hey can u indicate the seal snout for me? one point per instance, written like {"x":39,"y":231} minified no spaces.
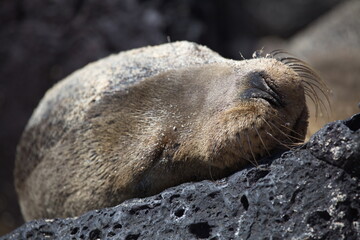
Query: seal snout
{"x":259,"y":88}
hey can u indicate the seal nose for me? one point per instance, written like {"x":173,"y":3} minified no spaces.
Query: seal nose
{"x":259,"y":88}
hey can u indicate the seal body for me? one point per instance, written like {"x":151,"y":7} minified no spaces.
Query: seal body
{"x":133,"y":124}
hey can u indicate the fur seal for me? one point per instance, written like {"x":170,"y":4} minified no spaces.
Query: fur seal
{"x":133,"y":124}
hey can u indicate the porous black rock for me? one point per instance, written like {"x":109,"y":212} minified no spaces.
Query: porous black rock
{"x":312,"y":192}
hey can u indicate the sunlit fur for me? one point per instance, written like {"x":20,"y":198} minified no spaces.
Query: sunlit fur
{"x":315,"y":88}
{"x":313,"y":84}
{"x":136,"y":123}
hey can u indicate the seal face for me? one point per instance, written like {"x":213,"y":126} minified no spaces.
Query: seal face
{"x":136,"y":123}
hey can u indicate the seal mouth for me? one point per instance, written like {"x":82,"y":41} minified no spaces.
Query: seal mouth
{"x":259,"y":88}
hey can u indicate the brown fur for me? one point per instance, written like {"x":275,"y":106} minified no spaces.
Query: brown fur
{"x":93,"y":147}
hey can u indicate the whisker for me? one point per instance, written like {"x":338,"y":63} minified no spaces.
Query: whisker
{"x":322,"y":91}
{"x":211,"y":176}
{"x":288,"y":145}
{"x":312,"y":82}
{"x":267,"y":123}
{"x":317,"y":99}
{"x":289,"y":137}
{"x":252,"y":153}
{"x":303,"y":67}
{"x":279,"y":142}
{"x":276,"y":52}
{"x":273,"y":126}
{"x":309,"y":93}
{"x":320,"y":85}
{"x":320,"y":104}
{"x":282,"y":123}
{"x":309,"y":80}
{"x":262,"y":142}
{"x":295,"y":62}
{"x":238,"y":139}
{"x":250,"y":161}
{"x":300,"y":138}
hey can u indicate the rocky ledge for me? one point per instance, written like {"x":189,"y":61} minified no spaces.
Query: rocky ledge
{"x":312,"y":192}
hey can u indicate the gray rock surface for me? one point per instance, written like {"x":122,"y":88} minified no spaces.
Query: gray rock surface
{"x":312,"y":192}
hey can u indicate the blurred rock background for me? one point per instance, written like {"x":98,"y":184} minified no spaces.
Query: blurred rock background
{"x":42,"y":42}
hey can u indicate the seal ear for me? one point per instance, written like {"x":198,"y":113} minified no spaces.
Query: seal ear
{"x":315,"y":87}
